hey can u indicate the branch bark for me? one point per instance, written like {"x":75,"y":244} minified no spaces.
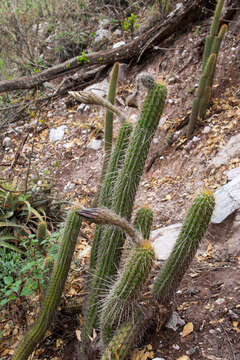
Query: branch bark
{"x":130,"y":51}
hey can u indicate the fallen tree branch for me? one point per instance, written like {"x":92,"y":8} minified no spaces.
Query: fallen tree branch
{"x":130,"y":51}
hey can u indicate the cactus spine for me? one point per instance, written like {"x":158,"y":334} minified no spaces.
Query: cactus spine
{"x":143,"y":221}
{"x":54,"y":290}
{"x":105,"y":196}
{"x":108,"y":125}
{"x":122,"y":299}
{"x":193,"y":229}
{"x":123,"y":199}
{"x":122,"y":341}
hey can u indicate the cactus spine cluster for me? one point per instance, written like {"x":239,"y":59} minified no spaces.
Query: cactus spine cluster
{"x":105,"y":195}
{"x":193,"y":229}
{"x":55,"y":288}
{"x":212,"y":46}
{"x":122,"y":203}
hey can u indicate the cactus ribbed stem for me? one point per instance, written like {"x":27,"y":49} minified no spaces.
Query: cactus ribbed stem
{"x":204,"y":81}
{"x":54,"y":290}
{"x":121,"y":301}
{"x":105,"y":197}
{"x":41,"y":234}
{"x":108,"y":127}
{"x":143,"y":221}
{"x":123,"y":199}
{"x":216,"y":19}
{"x":124,"y":340}
{"x":193,"y":229}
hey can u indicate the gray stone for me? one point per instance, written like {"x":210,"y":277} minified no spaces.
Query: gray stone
{"x":102,"y":34}
{"x":175,"y":321}
{"x":99,"y":89}
{"x":227,"y":200}
{"x":164,"y":239}
{"x":231,"y":174}
{"x":118,"y":44}
{"x":6,"y":142}
{"x":117,"y":32}
{"x":57,"y":134}
{"x":95,"y":144}
{"x":227,"y":152}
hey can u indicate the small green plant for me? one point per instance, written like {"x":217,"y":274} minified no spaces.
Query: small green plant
{"x":130,"y":24}
{"x":83,"y":58}
{"x":25,"y":275}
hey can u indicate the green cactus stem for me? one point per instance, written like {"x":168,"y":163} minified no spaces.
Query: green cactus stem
{"x":204,"y":81}
{"x":123,"y":340}
{"x":143,"y":221}
{"x":216,"y":19}
{"x":193,"y":229}
{"x":123,"y":199}
{"x":105,"y":197}
{"x":55,"y":288}
{"x":204,"y":102}
{"x":41,"y":235}
{"x":121,"y":301}
{"x":207,"y":50}
{"x":108,"y":127}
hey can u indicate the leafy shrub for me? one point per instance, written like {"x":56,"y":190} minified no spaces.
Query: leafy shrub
{"x":25,"y":275}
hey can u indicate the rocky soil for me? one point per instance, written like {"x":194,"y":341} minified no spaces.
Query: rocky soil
{"x":207,"y":304}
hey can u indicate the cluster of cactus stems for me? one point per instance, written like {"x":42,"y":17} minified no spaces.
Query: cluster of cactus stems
{"x":119,"y":311}
{"x":210,"y":55}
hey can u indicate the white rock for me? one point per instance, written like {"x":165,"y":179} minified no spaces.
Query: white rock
{"x":164,"y":239}
{"x":99,"y":89}
{"x":133,"y":117}
{"x":220,"y":301}
{"x":69,"y":186}
{"x":231,"y":174}
{"x":6,"y":142}
{"x":95,"y":144}
{"x":68,"y":145}
{"x":176,"y":347}
{"x":206,"y":130}
{"x":57,"y":134}
{"x":85,"y":252}
{"x":228,"y":151}
{"x":117,"y":32}
{"x":195,"y":139}
{"x":175,"y":321}
{"x":163,"y":120}
{"x":102,"y":34}
{"x":118,"y":44}
{"x":227,"y":200}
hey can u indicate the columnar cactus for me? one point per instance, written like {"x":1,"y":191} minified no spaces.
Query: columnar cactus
{"x":106,"y":189}
{"x":212,"y":46}
{"x":123,"y":200}
{"x":193,"y":229}
{"x":54,"y":290}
